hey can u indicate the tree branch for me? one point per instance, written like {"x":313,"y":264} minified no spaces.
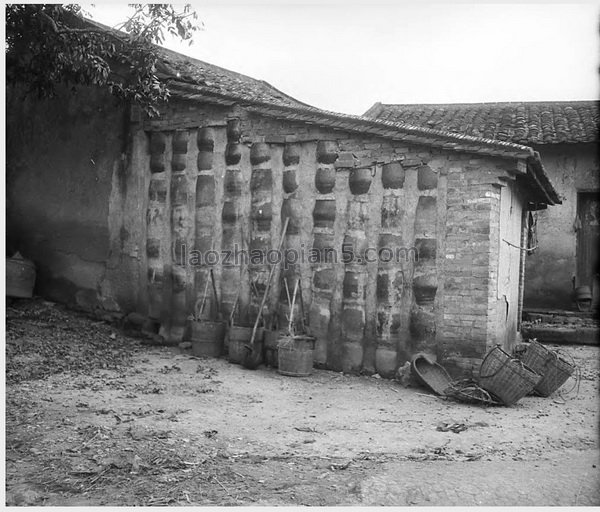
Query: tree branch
{"x":64,"y":30}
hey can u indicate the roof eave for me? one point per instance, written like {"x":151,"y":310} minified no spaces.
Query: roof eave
{"x":535,"y":168}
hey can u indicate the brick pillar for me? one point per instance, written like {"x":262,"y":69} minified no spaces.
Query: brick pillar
{"x":261,"y":214}
{"x":206,"y":220}
{"x":425,"y":280}
{"x":355,"y":277}
{"x":181,"y":231}
{"x":291,"y":208}
{"x":231,"y":215}
{"x":470,"y":269}
{"x":156,"y":249}
{"x":390,"y":275}
{"x":324,"y":214}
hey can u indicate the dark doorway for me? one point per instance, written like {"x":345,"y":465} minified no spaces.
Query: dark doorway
{"x":588,"y":238}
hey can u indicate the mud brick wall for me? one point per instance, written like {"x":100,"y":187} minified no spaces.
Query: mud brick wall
{"x":65,"y":177}
{"x":240,"y":175}
{"x":551,"y":269}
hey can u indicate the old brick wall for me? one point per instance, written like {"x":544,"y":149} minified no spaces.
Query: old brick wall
{"x":213,"y":175}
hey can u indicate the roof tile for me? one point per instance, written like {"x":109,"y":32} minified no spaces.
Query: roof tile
{"x":520,"y":122}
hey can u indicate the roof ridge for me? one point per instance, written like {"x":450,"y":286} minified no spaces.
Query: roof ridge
{"x":476,"y":103}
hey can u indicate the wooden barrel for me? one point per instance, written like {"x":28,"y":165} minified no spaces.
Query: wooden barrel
{"x":239,"y":337}
{"x":295,"y":355}
{"x":207,"y":338}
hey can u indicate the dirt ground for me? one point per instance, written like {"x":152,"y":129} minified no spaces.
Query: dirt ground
{"x":94,"y":417}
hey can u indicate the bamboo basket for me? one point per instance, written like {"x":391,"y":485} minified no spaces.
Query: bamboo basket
{"x":554,"y":370}
{"x":506,"y":378}
{"x":430,"y":373}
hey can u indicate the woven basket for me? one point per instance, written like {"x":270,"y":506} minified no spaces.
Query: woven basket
{"x":506,"y":378}
{"x":430,"y":373}
{"x":468,"y":391}
{"x":554,"y":370}
{"x":295,"y":355}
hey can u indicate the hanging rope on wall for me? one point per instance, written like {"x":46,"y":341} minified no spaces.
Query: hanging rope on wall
{"x":532,"y":239}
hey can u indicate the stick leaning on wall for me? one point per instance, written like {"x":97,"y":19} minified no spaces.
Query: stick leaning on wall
{"x":252,"y":353}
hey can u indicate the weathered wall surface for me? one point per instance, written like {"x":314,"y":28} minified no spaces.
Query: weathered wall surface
{"x":223,"y":175}
{"x":63,"y":156}
{"x":125,"y":222}
{"x":551,"y":269}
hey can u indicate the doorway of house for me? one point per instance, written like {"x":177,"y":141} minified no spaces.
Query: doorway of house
{"x":588,"y":238}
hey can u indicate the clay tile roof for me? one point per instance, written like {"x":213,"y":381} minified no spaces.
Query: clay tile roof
{"x":197,"y":81}
{"x":530,"y":123}
{"x":220,"y":80}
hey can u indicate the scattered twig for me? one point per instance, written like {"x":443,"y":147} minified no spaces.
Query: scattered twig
{"x":428,"y":396}
{"x":225,"y":488}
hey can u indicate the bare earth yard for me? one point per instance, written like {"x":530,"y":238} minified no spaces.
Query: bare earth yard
{"x":96,"y":418}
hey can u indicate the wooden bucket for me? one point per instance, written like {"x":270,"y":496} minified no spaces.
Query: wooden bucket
{"x":295,"y":355}
{"x":207,"y":338}
{"x":239,"y":337}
